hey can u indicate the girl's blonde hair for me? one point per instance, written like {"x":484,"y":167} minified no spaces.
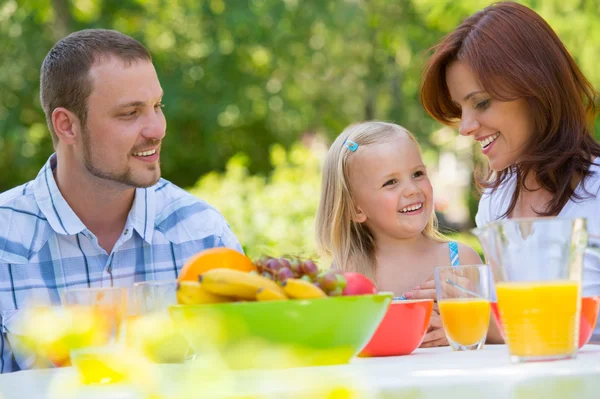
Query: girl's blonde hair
{"x":350,"y":244}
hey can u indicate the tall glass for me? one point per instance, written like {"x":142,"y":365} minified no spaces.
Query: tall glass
{"x":106,"y":304}
{"x":100,"y":361}
{"x":151,"y":329}
{"x":537,"y":267}
{"x":463,"y":294}
{"x":153,"y":296}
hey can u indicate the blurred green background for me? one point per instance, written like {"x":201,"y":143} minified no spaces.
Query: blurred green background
{"x":256,"y":90}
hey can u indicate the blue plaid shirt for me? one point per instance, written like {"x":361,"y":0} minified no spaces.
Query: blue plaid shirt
{"x":45,"y":248}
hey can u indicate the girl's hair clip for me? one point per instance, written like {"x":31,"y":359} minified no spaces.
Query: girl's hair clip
{"x":352,"y":146}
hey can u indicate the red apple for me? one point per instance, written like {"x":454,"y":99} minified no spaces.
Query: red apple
{"x":357,"y":284}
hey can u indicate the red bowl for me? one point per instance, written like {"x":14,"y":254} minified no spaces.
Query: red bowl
{"x":402,"y":329}
{"x":589,"y":315}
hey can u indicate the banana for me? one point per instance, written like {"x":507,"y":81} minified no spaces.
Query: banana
{"x":267,"y":294}
{"x":235,"y":283}
{"x":192,"y":293}
{"x":301,"y":289}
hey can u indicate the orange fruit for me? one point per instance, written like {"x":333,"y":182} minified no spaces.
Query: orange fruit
{"x":215,"y":258}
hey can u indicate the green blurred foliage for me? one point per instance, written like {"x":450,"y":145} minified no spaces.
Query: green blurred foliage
{"x":272,"y":214}
{"x":241,"y":76}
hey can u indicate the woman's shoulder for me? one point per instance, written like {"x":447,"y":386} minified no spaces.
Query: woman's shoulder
{"x":589,"y":189}
{"x":588,"y":203}
{"x":591,"y":183}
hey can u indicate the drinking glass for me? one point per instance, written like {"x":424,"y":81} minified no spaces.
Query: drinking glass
{"x":99,"y":361}
{"x":463,"y":294}
{"x":151,"y":328}
{"x":153,"y":296}
{"x":107,"y":304}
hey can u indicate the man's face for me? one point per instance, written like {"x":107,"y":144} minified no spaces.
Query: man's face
{"x":125,"y":123}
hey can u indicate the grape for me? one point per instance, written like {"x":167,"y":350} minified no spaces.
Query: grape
{"x":262,"y":261}
{"x":341,"y":281}
{"x":327,"y":280}
{"x":273,"y":265}
{"x":285,"y":263}
{"x":336,"y":292}
{"x":284,"y":273}
{"x":282,"y":268}
{"x":309,"y":268}
{"x":296,"y":266}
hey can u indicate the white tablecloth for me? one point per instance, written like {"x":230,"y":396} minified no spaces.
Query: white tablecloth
{"x":427,"y":373}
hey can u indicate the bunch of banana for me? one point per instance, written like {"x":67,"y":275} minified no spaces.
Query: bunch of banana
{"x":229,"y":285}
{"x":301,"y":289}
{"x":192,"y":293}
{"x":236,"y":284}
{"x":267,"y":294}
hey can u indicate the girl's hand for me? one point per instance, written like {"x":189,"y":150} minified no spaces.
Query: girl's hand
{"x":451,"y":289}
{"x":436,"y":336}
{"x":423,"y":291}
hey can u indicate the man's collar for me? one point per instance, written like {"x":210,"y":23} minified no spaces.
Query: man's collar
{"x":60,"y":216}
{"x":143,"y":212}
{"x":64,"y":221}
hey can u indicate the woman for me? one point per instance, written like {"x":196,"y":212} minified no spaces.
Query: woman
{"x":504,"y":78}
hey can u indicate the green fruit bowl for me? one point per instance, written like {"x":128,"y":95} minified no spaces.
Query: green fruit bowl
{"x":281,"y":334}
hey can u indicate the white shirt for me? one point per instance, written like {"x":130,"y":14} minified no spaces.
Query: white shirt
{"x":493,"y":205}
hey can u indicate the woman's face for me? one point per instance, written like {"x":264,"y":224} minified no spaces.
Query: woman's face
{"x":502,"y":128}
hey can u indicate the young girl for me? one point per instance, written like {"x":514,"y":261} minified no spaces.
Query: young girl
{"x":376,"y":213}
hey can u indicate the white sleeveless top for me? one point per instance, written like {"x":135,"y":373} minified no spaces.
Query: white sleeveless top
{"x":493,"y":205}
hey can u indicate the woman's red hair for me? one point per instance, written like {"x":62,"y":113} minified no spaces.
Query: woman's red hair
{"x":514,"y":54}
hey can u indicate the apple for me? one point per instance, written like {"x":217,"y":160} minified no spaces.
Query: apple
{"x":358,"y":284}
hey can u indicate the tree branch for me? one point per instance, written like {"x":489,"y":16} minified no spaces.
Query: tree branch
{"x":62,"y":19}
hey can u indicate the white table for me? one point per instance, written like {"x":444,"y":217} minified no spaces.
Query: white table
{"x":427,"y":373}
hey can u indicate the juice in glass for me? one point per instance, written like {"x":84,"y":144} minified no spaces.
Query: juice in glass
{"x":100,"y":365}
{"x":540,"y":319}
{"x":465,"y":320}
{"x":463,"y":294}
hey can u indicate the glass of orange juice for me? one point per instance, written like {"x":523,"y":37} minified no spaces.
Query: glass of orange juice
{"x":538,"y":268}
{"x":463,"y":294}
{"x":107,"y":304}
{"x":97,"y":362}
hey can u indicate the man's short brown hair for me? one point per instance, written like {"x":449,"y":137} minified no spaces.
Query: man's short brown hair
{"x":64,"y":79}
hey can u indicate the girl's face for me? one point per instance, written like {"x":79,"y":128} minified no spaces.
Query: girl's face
{"x":390,"y":188}
{"x":502,"y":128}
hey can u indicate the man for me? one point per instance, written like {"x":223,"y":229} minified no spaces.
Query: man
{"x":98,"y":213}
